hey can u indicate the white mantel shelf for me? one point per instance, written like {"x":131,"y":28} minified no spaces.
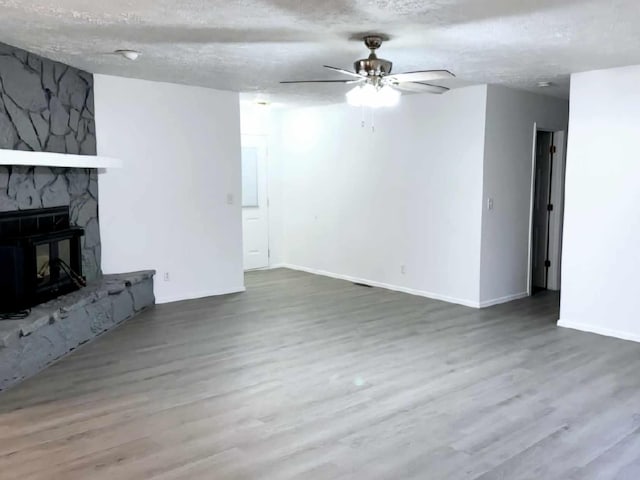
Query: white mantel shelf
{"x":47,"y":159}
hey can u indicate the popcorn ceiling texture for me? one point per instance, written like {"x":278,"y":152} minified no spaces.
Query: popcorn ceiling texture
{"x":250,"y":45}
{"x":48,"y":106}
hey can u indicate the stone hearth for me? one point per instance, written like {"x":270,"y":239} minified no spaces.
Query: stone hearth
{"x":58,"y":327}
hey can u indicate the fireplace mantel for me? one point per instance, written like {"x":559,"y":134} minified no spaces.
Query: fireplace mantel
{"x":47,"y":159}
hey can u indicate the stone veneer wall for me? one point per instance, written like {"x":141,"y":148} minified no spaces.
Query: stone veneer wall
{"x":48,"y":106}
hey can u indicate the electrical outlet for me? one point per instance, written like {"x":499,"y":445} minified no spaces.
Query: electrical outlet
{"x":167,"y":278}
{"x":229,"y":198}
{"x":403,"y":269}
{"x":489,"y":203}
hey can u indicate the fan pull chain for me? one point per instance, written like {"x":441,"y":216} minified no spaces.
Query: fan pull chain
{"x":373,"y":120}
{"x":362,"y":122}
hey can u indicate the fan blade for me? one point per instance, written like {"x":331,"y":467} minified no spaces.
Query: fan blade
{"x":418,"y":87}
{"x":342,"y":70}
{"x":424,"y":76}
{"x":321,"y":81}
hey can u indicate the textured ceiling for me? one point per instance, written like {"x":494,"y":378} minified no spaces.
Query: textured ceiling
{"x":250,"y":45}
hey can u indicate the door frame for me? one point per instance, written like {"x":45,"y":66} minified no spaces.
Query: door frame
{"x":261,"y":141}
{"x":557,"y":199}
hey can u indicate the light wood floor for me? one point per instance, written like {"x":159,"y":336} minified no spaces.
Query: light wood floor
{"x":309,"y":377}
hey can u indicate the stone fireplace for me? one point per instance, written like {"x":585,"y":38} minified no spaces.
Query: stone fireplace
{"x":25,"y":188}
{"x":46,"y":106}
{"x":47,"y":111}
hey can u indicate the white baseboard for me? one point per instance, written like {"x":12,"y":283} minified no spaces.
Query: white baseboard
{"x":195,"y":295}
{"x":373,"y":283}
{"x":508,"y":298}
{"x":277,"y":265}
{"x":269,"y":267}
{"x":584,"y":327}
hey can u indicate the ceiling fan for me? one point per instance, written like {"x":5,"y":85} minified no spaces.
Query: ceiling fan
{"x":376,"y":86}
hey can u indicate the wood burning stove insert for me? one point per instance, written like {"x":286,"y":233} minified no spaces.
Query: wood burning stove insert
{"x":40,"y":257}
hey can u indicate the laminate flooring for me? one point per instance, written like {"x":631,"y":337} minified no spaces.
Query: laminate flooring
{"x":309,"y":377}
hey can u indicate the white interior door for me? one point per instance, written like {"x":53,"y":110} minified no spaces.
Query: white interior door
{"x":255,"y":215}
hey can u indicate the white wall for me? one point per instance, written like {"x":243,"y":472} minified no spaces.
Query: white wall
{"x":511,"y":119}
{"x":359,"y":204}
{"x":601,"y":251}
{"x":167,"y":208}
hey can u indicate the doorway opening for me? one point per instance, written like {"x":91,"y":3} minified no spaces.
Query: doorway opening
{"x":547,"y":209}
{"x":255,"y":202}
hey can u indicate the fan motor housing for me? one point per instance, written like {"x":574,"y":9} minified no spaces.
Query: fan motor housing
{"x":373,"y":66}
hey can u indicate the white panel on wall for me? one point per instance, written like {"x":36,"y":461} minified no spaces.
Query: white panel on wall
{"x":175,"y":204}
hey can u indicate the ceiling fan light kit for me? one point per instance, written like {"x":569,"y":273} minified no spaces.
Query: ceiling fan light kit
{"x":369,"y":96}
{"x":376,"y":86}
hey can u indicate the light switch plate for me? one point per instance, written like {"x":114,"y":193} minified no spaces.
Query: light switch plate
{"x":489,"y":203}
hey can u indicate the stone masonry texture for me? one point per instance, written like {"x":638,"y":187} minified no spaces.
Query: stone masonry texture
{"x":46,"y":106}
{"x":55,"y":328}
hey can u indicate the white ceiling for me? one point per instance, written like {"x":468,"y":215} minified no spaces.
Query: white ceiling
{"x":250,"y":45}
